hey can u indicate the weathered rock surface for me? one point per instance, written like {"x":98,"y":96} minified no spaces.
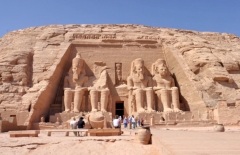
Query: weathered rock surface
{"x":205,"y":65}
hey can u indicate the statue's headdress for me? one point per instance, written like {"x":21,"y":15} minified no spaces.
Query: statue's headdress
{"x":159,"y":62}
{"x":99,"y":67}
{"x":134,"y":62}
{"x":79,"y":62}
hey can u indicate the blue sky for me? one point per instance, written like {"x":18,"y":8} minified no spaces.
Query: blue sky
{"x":199,"y":15}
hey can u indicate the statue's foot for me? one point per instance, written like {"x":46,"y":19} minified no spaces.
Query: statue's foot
{"x":76,"y":111}
{"x":151,"y":110}
{"x":141,"y":110}
{"x":103,"y":110}
{"x":67,"y":111}
{"x":167,"y":110}
{"x":177,"y":110}
{"x":94,"y":110}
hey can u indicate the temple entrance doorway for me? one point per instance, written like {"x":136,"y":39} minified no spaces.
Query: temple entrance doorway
{"x":119,"y":108}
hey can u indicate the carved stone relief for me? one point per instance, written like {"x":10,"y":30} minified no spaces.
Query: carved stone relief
{"x":118,"y":73}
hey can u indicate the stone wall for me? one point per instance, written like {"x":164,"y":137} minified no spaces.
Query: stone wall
{"x":227,"y":114}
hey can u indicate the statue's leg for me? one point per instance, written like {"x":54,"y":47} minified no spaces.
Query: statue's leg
{"x":94,"y":99}
{"x":149,"y":94}
{"x":78,"y":97}
{"x":104,"y":99}
{"x":159,"y":105}
{"x":165,"y":98}
{"x":175,"y":99}
{"x":67,"y":99}
{"x":139,"y":100}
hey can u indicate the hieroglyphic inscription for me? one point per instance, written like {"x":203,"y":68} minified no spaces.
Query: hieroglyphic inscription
{"x":93,"y":36}
{"x":86,"y":36}
{"x":149,"y":37}
{"x":109,"y":36}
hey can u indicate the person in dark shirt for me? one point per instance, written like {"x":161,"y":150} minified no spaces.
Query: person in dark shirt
{"x":142,"y":121}
{"x":81,"y":125}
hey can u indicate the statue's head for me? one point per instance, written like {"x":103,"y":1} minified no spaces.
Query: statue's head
{"x":162,"y":70}
{"x":78,"y":66}
{"x":99,"y":67}
{"x":137,"y":68}
{"x":160,"y":67}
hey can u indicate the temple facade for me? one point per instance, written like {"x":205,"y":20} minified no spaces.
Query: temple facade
{"x":121,"y":88}
{"x":59,"y":71}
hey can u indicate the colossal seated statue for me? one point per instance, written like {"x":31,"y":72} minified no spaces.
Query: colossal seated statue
{"x":140,"y":85}
{"x":164,"y":87}
{"x":73,"y":85}
{"x":100,"y":87}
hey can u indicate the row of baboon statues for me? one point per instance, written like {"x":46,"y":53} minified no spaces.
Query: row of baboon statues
{"x":141,"y":87}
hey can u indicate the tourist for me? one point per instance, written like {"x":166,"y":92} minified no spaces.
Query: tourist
{"x":142,"y":121}
{"x":125,"y":122}
{"x":81,"y":124}
{"x":130,"y":121}
{"x":133,"y":122}
{"x":139,"y":122}
{"x":116,"y":123}
{"x":73,"y":125}
{"x":120,"y":118}
{"x":136,"y":120}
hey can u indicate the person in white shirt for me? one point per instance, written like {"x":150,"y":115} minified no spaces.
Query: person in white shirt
{"x":133,"y":122}
{"x":73,"y":125}
{"x":120,"y":118}
{"x":116,"y":122}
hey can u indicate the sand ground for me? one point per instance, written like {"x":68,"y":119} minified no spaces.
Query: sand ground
{"x":169,"y":140}
{"x":197,"y":141}
{"x":61,"y":145}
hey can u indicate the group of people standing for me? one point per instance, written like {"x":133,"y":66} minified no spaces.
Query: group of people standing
{"x":77,"y":125}
{"x":134,"y":122}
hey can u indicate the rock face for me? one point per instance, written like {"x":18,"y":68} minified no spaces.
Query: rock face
{"x":34,"y":62}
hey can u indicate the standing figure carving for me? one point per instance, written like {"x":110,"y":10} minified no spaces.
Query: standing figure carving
{"x":73,"y":85}
{"x":118,"y":67}
{"x":100,"y":87}
{"x":140,"y":85}
{"x":165,"y":87}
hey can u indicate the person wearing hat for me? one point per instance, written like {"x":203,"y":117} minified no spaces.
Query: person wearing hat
{"x":81,"y":125}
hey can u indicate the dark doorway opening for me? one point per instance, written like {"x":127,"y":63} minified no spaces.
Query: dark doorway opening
{"x":119,"y":109}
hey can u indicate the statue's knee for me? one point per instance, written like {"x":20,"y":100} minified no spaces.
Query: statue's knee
{"x":67,"y":91}
{"x":105,"y":92}
{"x":163,"y":90}
{"x":81,"y":91}
{"x":138,"y":90}
{"x":93,"y":91}
{"x":149,"y":90}
{"x":175,"y":88}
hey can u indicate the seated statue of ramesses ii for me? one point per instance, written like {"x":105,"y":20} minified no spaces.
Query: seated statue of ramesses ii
{"x":73,"y":85}
{"x":139,"y":84}
{"x":164,"y":87}
{"x":100,"y":87}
